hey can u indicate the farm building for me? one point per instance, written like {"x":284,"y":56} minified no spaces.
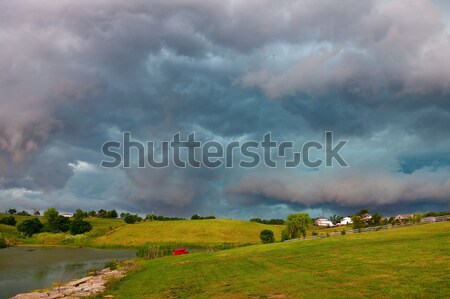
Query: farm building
{"x":323,"y":222}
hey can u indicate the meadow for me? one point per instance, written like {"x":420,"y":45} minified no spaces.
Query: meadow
{"x":408,"y":262}
{"x":211,"y":231}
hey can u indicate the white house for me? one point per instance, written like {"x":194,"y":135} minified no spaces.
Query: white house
{"x":323,"y":222}
{"x":345,"y":221}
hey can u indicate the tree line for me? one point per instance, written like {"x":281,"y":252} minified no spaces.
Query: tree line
{"x":54,"y":223}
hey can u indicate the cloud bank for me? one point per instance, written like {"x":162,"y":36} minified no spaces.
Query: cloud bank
{"x":75,"y":75}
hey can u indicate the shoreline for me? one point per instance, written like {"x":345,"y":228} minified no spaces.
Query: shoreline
{"x":78,"y":288}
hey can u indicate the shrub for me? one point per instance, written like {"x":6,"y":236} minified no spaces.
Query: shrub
{"x":8,"y":220}
{"x":79,"y":226}
{"x":112,"y":265}
{"x":30,"y":227}
{"x":343,"y":232}
{"x":131,"y":218}
{"x":266,"y":236}
{"x":314,"y":233}
{"x":285,"y":235}
{"x":23,"y":213}
{"x":3,"y":243}
{"x":57,"y":224}
{"x":197,"y":217}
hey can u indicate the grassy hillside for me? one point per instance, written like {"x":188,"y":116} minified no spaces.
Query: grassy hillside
{"x":409,"y":262}
{"x":115,"y":233}
{"x":188,"y":231}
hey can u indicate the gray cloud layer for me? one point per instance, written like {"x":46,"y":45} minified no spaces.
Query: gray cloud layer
{"x":76,"y":74}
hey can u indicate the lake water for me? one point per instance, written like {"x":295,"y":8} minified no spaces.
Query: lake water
{"x":23,"y":269}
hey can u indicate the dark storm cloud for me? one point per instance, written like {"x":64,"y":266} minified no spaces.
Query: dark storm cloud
{"x":76,"y":74}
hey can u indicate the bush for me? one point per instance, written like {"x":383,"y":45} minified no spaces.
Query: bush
{"x":30,"y":227}
{"x":57,"y":224}
{"x":23,"y":213}
{"x":2,"y":242}
{"x":314,"y":233}
{"x":8,"y":220}
{"x":343,"y":232}
{"x":129,"y":218}
{"x":285,"y":235}
{"x":266,"y":236}
{"x":112,"y":265}
{"x":197,"y":217}
{"x":79,"y":226}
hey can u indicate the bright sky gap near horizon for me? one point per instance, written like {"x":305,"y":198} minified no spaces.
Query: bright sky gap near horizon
{"x":77,"y":74}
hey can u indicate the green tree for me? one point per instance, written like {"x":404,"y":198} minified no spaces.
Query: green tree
{"x":79,"y":214}
{"x":363,"y":212}
{"x":376,"y":219}
{"x":297,"y":224}
{"x":129,"y":218}
{"x":30,"y":227}
{"x":12,"y":211}
{"x":417,"y":217}
{"x":266,"y":236}
{"x":358,"y":222}
{"x":79,"y":226}
{"x":51,"y":215}
{"x":92,"y":213}
{"x":101,"y":213}
{"x":111,"y":214}
{"x":62,"y":223}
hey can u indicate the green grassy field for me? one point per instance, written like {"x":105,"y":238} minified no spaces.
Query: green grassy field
{"x":114,"y":233}
{"x":409,"y":262}
{"x":189,"y":231}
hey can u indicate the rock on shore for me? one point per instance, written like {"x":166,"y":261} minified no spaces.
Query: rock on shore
{"x":79,"y":288}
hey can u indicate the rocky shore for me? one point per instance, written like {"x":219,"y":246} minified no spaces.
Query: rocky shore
{"x":83,"y":287}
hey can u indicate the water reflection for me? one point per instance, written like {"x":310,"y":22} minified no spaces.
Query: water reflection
{"x":27,"y":268}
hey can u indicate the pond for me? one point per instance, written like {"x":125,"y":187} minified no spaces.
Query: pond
{"x":24,"y":268}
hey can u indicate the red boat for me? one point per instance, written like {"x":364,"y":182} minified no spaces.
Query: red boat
{"x":180,"y":251}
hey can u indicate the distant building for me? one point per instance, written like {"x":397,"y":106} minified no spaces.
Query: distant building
{"x":323,"y":222}
{"x":345,"y":221}
{"x":403,"y":217}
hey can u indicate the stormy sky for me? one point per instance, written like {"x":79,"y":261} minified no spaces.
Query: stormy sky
{"x":75,"y":74}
